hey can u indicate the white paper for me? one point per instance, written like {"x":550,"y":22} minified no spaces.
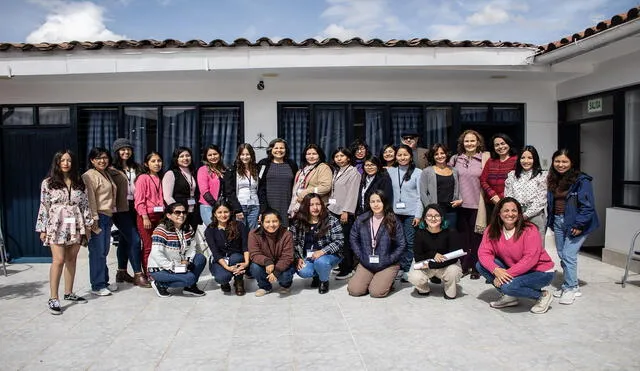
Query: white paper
{"x":449,"y":256}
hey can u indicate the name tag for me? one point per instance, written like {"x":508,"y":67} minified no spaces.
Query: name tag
{"x":69,"y":220}
{"x":130,"y":197}
{"x":332,"y":201}
{"x":309,"y":254}
{"x":180,"y":268}
{"x":400,"y":205}
{"x":374,"y":259}
{"x":158,"y":209}
{"x":191,"y":202}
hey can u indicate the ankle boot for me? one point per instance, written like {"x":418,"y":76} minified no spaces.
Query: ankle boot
{"x":238,"y":285}
{"x":324,"y":287}
{"x":141,"y":281}
{"x":123,"y":276}
{"x":315,"y":282}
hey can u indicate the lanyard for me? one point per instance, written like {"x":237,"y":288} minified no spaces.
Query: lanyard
{"x":69,"y":191}
{"x":190,"y":181}
{"x":157,"y":185}
{"x":374,"y":235}
{"x":401,"y":183}
{"x":183,"y":244}
{"x":302,"y":183}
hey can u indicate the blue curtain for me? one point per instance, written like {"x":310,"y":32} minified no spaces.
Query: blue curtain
{"x":404,"y":119}
{"x":179,"y":129}
{"x":436,"y":123}
{"x":473,"y":114}
{"x":102,"y":127}
{"x":295,"y":125}
{"x":54,"y":116}
{"x":374,"y":132}
{"x":506,"y":114}
{"x":331,"y":129}
{"x":220,"y":126}
{"x":135,"y":125}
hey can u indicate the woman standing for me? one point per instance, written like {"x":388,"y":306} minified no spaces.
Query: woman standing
{"x":314,"y":177}
{"x":276,"y":179}
{"x":378,"y":241}
{"x":513,"y":260}
{"x":503,"y":160}
{"x":179,"y":184}
{"x":229,"y":255}
{"x":388,"y":155}
{"x":149,"y":203}
{"x":64,"y":223}
{"x":360,"y":151}
{"x":571,"y":216}
{"x":469,"y":162}
{"x":241,"y":187}
{"x":375,"y":177}
{"x":433,"y":241}
{"x":343,"y":201}
{"x":439,"y":184}
{"x":210,"y":185}
{"x":124,"y":173}
{"x":528,"y":184}
{"x":271,"y":253}
{"x":318,"y":241}
{"x":405,"y":180}
{"x":101,"y":193}
{"x":174,"y":261}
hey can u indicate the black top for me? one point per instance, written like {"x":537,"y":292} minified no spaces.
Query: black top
{"x":220,"y":248}
{"x":445,"y":185}
{"x":310,"y":240}
{"x":381,"y":181}
{"x":427,"y":244}
{"x":263,"y":170}
{"x":182,"y":188}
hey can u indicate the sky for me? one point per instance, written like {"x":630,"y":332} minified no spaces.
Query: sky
{"x":530,"y":21}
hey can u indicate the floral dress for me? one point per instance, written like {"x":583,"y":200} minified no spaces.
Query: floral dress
{"x":64,"y":215}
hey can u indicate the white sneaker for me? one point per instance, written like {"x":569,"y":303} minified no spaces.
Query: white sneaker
{"x":558,"y":293}
{"x":113,"y":287}
{"x":542,"y":305}
{"x":504,"y":301}
{"x":568,"y":297}
{"x":262,"y":292}
{"x":102,"y":292}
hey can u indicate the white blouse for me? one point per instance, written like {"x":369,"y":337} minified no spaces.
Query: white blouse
{"x":531,"y":193}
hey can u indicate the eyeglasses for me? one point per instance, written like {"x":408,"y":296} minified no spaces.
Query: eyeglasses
{"x":102,"y":158}
{"x":433,"y":217}
{"x":179,"y":212}
{"x":370,"y":165}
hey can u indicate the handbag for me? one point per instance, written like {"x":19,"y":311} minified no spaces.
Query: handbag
{"x":481,"y":217}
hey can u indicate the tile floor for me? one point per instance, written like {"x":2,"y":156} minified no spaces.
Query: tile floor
{"x":136,"y":330}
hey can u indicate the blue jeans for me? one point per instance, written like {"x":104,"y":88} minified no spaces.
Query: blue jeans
{"x":129,"y":247}
{"x":321,"y":267}
{"x":98,"y":250}
{"x":568,"y":247}
{"x":528,"y":285}
{"x":222,"y":275}
{"x":169,"y":279}
{"x":285,"y":279}
{"x":205,"y":214}
{"x":251,"y":213}
{"x":409,"y":233}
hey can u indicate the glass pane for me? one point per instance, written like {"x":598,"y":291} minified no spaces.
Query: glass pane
{"x":438,"y":125}
{"x":331,"y":129}
{"x":507,"y":114}
{"x":97,"y":127}
{"x":405,"y":120}
{"x":631,"y":195}
{"x":374,"y":129}
{"x":589,"y":108}
{"x":17,"y":116}
{"x":220,"y":126}
{"x":295,"y":130}
{"x":632,"y":136}
{"x":54,"y":116}
{"x":474,"y":114}
{"x":179,"y":129}
{"x":141,"y":128}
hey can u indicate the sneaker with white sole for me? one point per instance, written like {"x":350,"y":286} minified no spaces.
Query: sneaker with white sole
{"x":558,"y":293}
{"x":543,"y":303}
{"x":344,"y":276}
{"x":160,"y":290}
{"x":504,"y":301}
{"x":102,"y":292}
{"x":568,"y":297}
{"x":75,"y":298}
{"x":262,"y":292}
{"x":54,"y":306}
{"x":113,"y":287}
{"x":193,"y":291}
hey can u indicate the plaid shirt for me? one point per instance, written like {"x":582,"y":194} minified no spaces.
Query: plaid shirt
{"x":331,"y":243}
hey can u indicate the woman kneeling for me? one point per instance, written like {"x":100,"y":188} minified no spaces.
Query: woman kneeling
{"x":378,"y":242}
{"x":511,"y":257}
{"x":173,"y":261}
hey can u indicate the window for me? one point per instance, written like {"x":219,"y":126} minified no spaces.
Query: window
{"x":631,"y":178}
{"x":220,"y":126}
{"x":294,"y":125}
{"x":97,"y":127}
{"x":17,"y":116}
{"x":54,"y":116}
{"x":179,"y":128}
{"x":141,"y":128}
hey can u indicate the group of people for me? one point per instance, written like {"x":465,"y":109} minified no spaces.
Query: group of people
{"x":404,"y":214}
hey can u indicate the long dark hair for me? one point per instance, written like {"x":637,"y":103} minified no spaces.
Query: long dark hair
{"x":168,"y":223}
{"x":507,"y":139}
{"x":536,"y":169}
{"x":321,"y":156}
{"x":303,"y":216}
{"x":412,"y":164}
{"x":218,"y":168}
{"x":56,"y":176}
{"x":176,"y":154}
{"x":381,"y":156}
{"x":241,"y":168}
{"x":562,"y":182}
{"x":432,"y":153}
{"x":145,"y":164}
{"x":345,"y":151}
{"x":131,"y":163}
{"x":389,"y":219}
{"x":478,"y":136}
{"x":269,"y":211}
{"x":273,"y":144}
{"x":496,"y":224}
{"x":96,"y":152}
{"x":232,"y":231}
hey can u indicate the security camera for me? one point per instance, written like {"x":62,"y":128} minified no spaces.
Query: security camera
{"x":260,"y":85}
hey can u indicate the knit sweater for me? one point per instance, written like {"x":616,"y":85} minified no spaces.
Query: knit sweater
{"x":101,"y":193}
{"x":271,"y":248}
{"x":406,"y":191}
{"x":148,"y":194}
{"x":494,"y":175}
{"x":166,"y":248}
{"x":122,"y":185}
{"x":209,"y":185}
{"x":521,"y":255}
{"x":531,"y":193}
{"x":469,"y":171}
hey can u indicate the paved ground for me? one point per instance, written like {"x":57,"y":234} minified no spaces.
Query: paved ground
{"x":134,"y":329}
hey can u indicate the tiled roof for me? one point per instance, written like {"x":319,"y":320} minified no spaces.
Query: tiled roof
{"x":604,"y":25}
{"x":264,"y":41}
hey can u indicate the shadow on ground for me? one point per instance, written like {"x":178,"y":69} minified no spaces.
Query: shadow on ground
{"x":23,"y":290}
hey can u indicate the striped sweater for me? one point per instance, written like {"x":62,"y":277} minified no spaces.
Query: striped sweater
{"x":166,"y":248}
{"x":494,"y":175}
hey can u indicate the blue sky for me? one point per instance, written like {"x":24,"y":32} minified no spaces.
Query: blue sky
{"x":533,"y":21}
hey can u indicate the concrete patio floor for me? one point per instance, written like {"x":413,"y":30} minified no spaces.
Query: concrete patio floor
{"x":136,"y":330}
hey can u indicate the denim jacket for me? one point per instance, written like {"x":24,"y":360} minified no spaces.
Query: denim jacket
{"x":579,"y":211}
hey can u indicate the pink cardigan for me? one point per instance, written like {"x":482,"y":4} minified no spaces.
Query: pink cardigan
{"x":521,"y":256}
{"x":208,"y":181}
{"x":148,"y":194}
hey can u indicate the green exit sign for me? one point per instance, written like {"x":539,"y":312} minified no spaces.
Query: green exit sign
{"x":594,"y":105}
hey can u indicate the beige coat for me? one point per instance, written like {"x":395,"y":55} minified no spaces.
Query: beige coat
{"x":317,"y":181}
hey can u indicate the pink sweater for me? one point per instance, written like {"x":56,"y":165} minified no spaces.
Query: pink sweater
{"x":208,"y":181}
{"x":521,"y":256}
{"x":148,"y":194}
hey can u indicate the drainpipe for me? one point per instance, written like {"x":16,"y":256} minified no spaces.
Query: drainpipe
{"x":590,"y":43}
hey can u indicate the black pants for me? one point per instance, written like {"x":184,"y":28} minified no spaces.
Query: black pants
{"x":470,"y":239}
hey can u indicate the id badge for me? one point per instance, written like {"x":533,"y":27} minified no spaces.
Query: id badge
{"x":158,"y":209}
{"x":180,"y":268}
{"x":69,"y":220}
{"x":400,"y":205}
{"x":374,"y":259}
{"x":130,"y":197}
{"x":332,"y":201}
{"x":226,"y":260}
{"x":191,"y":202}
{"x":309,"y":254}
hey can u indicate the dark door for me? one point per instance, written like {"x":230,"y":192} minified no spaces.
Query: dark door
{"x":26,"y":158}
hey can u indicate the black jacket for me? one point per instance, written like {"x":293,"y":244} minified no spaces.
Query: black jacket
{"x":382,"y":182}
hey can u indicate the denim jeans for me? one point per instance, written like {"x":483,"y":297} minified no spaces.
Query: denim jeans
{"x":568,"y":247}
{"x":205,"y":214}
{"x":321,"y":267}
{"x":170,"y":279}
{"x":528,"y":285}
{"x":222,"y":275}
{"x":129,"y":247}
{"x":285,"y":279}
{"x":251,"y":213}
{"x":409,"y":234}
{"x":98,"y":250}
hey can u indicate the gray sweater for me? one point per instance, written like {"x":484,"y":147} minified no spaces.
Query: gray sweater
{"x":429,"y":186}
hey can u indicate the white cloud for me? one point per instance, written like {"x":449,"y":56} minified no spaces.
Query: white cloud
{"x":490,"y":14}
{"x":447,"y":31}
{"x":72,"y":21}
{"x":360,"y":18}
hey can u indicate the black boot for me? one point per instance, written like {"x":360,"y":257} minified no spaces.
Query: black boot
{"x":315,"y":282}
{"x":324,"y":287}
